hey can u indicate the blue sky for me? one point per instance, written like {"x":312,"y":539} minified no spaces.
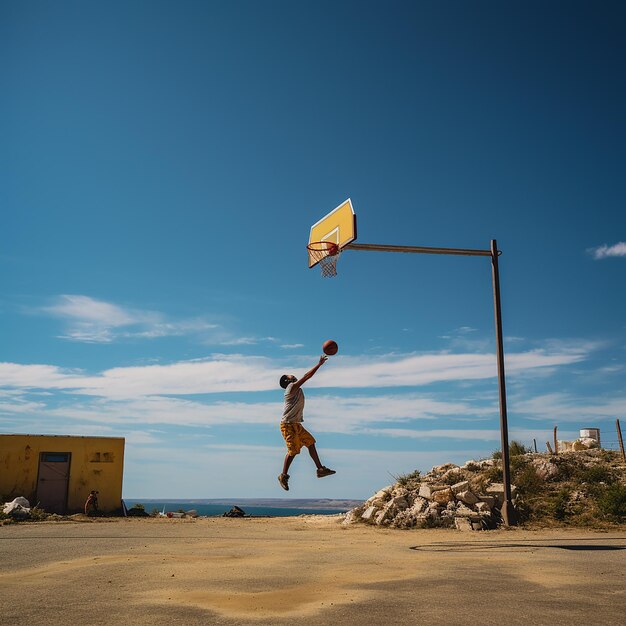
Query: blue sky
{"x":162,"y":163}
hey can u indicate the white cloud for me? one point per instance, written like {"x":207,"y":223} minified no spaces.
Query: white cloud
{"x":328,"y":414}
{"x":351,"y":415}
{"x":493,"y":435}
{"x":604,"y":251}
{"x":39,"y":376}
{"x":561,"y":407}
{"x":88,"y":310}
{"x":246,"y":341}
{"x":237,"y":373}
{"x":14,"y":401}
{"x":95,"y":321}
{"x":419,"y":433}
{"x":424,"y":369}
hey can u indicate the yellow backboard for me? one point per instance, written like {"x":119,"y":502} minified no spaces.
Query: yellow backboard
{"x":338,"y":226}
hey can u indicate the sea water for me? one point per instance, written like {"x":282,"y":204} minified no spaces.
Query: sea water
{"x":215,"y":509}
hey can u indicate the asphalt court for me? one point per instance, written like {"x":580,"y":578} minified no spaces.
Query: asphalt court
{"x":310,"y":570}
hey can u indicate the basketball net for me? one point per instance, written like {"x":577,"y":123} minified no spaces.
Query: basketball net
{"x":326,"y":254}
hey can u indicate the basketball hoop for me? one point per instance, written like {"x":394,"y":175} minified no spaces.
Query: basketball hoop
{"x":326,"y":254}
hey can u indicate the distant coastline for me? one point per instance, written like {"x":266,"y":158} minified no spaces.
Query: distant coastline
{"x":304,"y":504}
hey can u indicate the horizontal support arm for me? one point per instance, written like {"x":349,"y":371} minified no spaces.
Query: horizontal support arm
{"x":416,"y":249}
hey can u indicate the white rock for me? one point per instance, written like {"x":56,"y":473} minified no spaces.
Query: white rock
{"x":419,"y":506}
{"x":462,"y":486}
{"x":369,"y":513}
{"x":385,"y":516}
{"x":399,"y":503}
{"x":566,"y":446}
{"x":545,"y":470}
{"x":454,"y":472}
{"x":443,"y":496}
{"x":588,"y":442}
{"x":497,"y":491}
{"x":465,"y":511}
{"x":383,"y":494}
{"x":489,"y":500}
{"x":462,"y":523}
{"x":483,"y":507}
{"x":426,"y":490}
{"x":438,"y":469}
{"x":351,"y":518}
{"x":467,"y":497}
{"x":423,"y":519}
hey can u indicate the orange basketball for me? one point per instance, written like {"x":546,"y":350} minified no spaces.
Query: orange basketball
{"x":330,"y":347}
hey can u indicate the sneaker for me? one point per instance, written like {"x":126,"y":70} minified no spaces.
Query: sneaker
{"x":283,"y":479}
{"x":324,"y":471}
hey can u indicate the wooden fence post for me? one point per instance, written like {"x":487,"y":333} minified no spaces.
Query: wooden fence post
{"x":535,"y":444}
{"x":549,"y":447}
{"x":556,"y":443}
{"x":621,"y":441}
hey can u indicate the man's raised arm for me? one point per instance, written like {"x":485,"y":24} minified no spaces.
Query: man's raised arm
{"x":311,"y":372}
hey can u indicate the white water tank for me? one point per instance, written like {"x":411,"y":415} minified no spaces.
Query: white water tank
{"x":590,"y":433}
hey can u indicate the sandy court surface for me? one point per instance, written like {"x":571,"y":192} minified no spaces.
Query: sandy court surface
{"x":308,"y":569}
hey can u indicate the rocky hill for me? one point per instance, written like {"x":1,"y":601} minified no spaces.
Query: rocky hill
{"x":582,"y":488}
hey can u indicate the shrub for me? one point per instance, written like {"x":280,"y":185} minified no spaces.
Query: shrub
{"x":516,"y":448}
{"x":452,"y":479}
{"x":138,"y":510}
{"x":566,"y":467}
{"x":37,"y":514}
{"x":560,"y":504}
{"x":407,"y":479}
{"x":597,"y":474}
{"x":528,"y":481}
{"x":612,"y":502}
{"x":494,"y":474}
{"x":518,"y":463}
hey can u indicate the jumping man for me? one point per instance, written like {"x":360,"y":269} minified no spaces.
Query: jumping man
{"x":294,"y":433}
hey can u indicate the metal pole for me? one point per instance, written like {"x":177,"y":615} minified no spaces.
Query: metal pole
{"x":374,"y":247}
{"x":508,"y":513}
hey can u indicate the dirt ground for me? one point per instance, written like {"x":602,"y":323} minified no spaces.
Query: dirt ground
{"x":307,"y":569}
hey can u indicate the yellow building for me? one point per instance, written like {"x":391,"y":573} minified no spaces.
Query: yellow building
{"x":59,"y":472}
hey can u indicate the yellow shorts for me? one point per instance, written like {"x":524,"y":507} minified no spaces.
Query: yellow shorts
{"x":296,"y":436}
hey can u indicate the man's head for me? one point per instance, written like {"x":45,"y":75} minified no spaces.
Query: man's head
{"x":285,"y":379}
